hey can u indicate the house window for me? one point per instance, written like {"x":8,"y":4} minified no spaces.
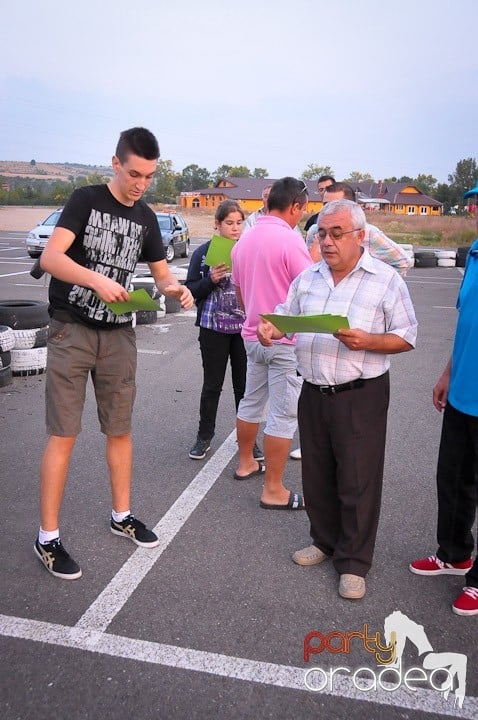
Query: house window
{"x":411,"y":209}
{"x":195,"y":202}
{"x":400,"y":207}
{"x":423,"y":210}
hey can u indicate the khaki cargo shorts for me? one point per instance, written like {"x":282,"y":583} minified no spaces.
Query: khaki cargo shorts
{"x":76,"y":351}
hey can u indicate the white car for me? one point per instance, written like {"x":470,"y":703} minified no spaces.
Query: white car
{"x":38,"y":237}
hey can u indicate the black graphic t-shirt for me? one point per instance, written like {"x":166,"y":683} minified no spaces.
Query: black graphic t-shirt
{"x":109,"y":238}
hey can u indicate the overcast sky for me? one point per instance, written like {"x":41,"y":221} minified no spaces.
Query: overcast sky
{"x":380,"y":87}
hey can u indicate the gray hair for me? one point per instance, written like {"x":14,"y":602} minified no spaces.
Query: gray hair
{"x":357,"y":215}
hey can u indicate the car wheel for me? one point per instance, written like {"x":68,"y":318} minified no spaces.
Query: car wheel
{"x":33,"y":254}
{"x":170,"y":253}
{"x":185,"y":254}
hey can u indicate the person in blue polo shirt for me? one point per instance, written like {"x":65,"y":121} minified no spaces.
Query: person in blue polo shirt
{"x":457,"y":393}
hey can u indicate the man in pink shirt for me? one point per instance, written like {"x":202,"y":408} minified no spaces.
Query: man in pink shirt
{"x":265,"y":261}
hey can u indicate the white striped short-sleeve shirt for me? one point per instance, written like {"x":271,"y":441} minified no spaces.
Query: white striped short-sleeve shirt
{"x":372,"y":296}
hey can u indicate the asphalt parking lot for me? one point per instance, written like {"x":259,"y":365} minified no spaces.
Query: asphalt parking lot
{"x":211,"y":624}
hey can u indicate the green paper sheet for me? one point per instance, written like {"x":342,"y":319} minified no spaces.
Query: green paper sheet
{"x":138,"y":300}
{"x":219,"y":251}
{"x":308,"y":323}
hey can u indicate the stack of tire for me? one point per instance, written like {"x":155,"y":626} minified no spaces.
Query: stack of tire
{"x":408,"y":250}
{"x":425,"y":258}
{"x":146,"y":282}
{"x":461,"y":254}
{"x":24,"y":329}
{"x":446,"y":258}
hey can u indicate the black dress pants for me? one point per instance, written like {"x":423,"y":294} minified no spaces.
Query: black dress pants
{"x":342,"y":438}
{"x":457,"y":489}
{"x":216,"y":350}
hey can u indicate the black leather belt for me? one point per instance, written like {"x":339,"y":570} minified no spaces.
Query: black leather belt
{"x":333,"y":389}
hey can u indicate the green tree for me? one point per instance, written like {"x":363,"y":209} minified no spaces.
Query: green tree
{"x":164,"y":188}
{"x":446,"y":195}
{"x":313,"y":172}
{"x":356,"y":177}
{"x":222,"y":171}
{"x":426,"y":183}
{"x":192,"y":178}
{"x":405,"y":179}
{"x":260,"y":173}
{"x":240,"y":171}
{"x":33,"y":163}
{"x":464,"y":177}
{"x":96,"y":179}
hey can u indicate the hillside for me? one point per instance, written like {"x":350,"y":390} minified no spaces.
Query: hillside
{"x":50,"y":171}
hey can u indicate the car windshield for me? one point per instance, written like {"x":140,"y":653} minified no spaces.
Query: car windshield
{"x":53,"y":218}
{"x":164,"y":222}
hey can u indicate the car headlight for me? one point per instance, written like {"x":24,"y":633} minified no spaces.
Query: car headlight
{"x":31,"y":236}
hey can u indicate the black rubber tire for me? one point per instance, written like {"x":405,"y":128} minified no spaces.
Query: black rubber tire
{"x":34,"y":254}
{"x":5,"y":376}
{"x":185,"y":254}
{"x":5,"y":359}
{"x":24,"y":314}
{"x":146,"y":317}
{"x":425,"y":259}
{"x":172,"y":305}
{"x":461,"y":255}
{"x":169,"y":252}
{"x":7,"y":338}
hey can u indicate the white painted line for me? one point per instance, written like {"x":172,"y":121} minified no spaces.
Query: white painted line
{"x":234,"y":668}
{"x":23,"y":272}
{"x":153,"y":352}
{"x":444,"y":307}
{"x":441,"y":281}
{"x":102,"y":611}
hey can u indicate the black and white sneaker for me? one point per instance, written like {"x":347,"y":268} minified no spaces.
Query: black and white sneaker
{"x":136,"y":531}
{"x":199,"y":449}
{"x":56,"y":560}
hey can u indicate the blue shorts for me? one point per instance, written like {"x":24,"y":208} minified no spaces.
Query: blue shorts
{"x":271,"y":378}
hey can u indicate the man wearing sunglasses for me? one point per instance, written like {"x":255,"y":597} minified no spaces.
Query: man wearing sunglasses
{"x":344,"y":399}
{"x":265,"y":261}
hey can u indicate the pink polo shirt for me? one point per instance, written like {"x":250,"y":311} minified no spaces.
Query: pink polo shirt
{"x":265,"y":261}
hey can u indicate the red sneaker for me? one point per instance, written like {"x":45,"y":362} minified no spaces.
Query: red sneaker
{"x":467,"y":602}
{"x":434,"y":566}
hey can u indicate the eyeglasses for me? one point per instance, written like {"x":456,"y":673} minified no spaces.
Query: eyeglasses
{"x":335,"y":233}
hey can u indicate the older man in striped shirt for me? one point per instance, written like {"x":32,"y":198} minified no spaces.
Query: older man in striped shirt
{"x":344,"y":399}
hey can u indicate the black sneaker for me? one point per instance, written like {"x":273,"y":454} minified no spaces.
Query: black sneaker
{"x":56,"y":560}
{"x":136,"y":531}
{"x":199,"y":450}
{"x":257,"y":452}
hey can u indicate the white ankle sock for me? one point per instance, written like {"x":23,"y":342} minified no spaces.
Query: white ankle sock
{"x":46,"y":536}
{"x":119,"y":517}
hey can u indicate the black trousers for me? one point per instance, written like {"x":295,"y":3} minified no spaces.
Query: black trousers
{"x":342,"y":438}
{"x":216,"y":349}
{"x":457,"y":488}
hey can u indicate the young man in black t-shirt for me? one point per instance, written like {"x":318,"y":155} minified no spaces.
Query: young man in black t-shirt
{"x":91,"y":257}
